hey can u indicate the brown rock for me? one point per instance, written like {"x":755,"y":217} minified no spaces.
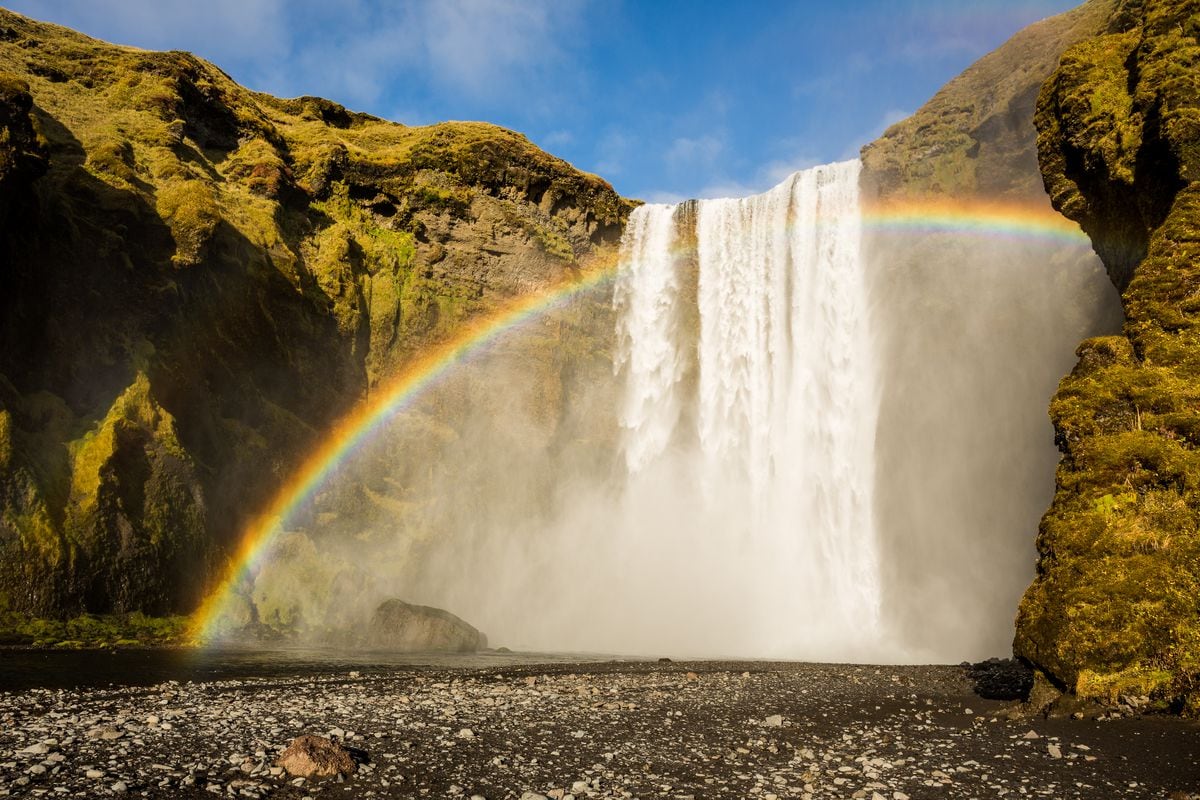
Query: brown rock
{"x":311,"y":756}
{"x":408,"y":628}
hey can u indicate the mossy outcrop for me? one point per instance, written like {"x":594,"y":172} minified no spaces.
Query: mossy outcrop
{"x":1115,"y":607}
{"x":197,"y":279}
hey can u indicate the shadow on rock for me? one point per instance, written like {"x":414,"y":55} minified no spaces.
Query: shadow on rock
{"x":1001,"y":679}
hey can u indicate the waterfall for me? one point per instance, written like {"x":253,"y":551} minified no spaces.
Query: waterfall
{"x":744,"y":348}
{"x":770,"y":466}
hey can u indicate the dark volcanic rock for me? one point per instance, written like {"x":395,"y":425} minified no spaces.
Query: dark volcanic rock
{"x":407,"y":628}
{"x":609,"y":731}
{"x":1001,"y":679}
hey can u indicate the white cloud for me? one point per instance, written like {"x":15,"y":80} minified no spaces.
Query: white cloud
{"x":218,"y":30}
{"x":558,"y":138}
{"x":611,"y":152}
{"x":351,"y":50}
{"x":476,"y":44}
{"x":688,"y":152}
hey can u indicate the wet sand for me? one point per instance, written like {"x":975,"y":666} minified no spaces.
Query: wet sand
{"x":607,"y":730}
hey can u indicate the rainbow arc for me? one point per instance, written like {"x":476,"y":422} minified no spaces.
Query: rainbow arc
{"x":1006,"y":220}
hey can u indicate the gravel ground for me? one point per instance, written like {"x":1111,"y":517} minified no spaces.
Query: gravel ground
{"x":673,"y":730}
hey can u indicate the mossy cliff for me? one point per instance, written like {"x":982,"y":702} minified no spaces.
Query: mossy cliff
{"x":196,"y":279}
{"x":1115,"y":607}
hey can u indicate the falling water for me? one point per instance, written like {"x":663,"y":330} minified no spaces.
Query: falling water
{"x":798,"y":473}
{"x":764,"y":406}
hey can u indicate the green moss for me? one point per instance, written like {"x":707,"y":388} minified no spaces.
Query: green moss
{"x":6,"y":439}
{"x":90,"y":630}
{"x":190,"y":209}
{"x":1115,"y":607}
{"x":554,"y":243}
{"x":450,"y":200}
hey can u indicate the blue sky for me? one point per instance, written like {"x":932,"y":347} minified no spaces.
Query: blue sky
{"x":664,"y":98}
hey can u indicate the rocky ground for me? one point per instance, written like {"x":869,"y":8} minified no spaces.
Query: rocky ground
{"x":610,"y":730}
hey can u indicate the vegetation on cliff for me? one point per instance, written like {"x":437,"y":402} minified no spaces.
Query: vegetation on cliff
{"x":1115,"y":607}
{"x":195,"y":279}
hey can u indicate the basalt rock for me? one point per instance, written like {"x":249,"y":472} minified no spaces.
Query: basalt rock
{"x":407,"y":628}
{"x":311,"y":756}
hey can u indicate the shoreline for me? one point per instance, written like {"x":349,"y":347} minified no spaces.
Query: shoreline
{"x":594,"y":729}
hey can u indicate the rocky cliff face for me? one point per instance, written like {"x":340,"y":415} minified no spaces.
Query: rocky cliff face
{"x":1115,"y":607}
{"x":196,"y":279}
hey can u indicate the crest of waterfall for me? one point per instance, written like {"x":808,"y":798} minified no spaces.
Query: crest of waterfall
{"x":743,"y":343}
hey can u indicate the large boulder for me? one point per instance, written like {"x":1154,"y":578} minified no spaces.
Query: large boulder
{"x":311,"y":756}
{"x":407,"y":628}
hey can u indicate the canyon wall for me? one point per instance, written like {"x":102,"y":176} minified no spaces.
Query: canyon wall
{"x":977,"y":319}
{"x":196,"y":280}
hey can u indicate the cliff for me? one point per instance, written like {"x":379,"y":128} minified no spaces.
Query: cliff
{"x":1115,"y":607}
{"x":197,"y":279}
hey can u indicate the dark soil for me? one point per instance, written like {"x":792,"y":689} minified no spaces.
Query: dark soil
{"x":671,"y":730}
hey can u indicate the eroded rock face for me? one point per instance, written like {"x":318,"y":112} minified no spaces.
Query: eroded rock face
{"x":204,"y":278}
{"x":407,"y":628}
{"x":311,"y":756}
{"x":22,"y":151}
{"x":1114,"y":607}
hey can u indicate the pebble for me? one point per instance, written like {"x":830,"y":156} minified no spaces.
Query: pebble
{"x":850,"y":732}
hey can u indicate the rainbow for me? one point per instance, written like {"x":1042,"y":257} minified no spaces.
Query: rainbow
{"x":357,"y":427}
{"x":1022,"y":221}
{"x":1006,"y":220}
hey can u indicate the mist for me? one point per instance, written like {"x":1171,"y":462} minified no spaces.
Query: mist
{"x":773,"y":436}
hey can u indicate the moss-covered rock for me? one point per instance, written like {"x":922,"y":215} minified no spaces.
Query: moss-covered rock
{"x":1115,"y":607}
{"x":197,"y":279}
